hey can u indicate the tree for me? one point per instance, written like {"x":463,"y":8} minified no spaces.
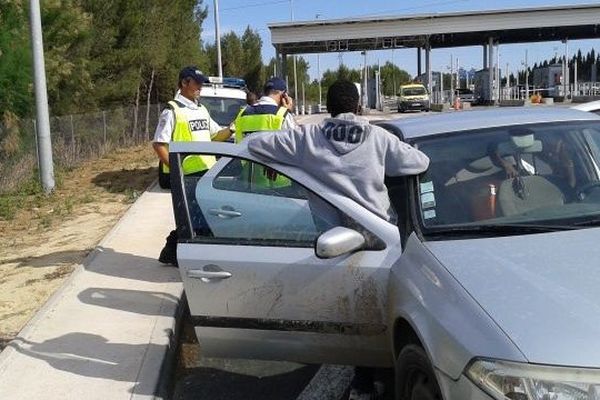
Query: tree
{"x":252,"y":61}
{"x":392,"y":77}
{"x":15,"y":61}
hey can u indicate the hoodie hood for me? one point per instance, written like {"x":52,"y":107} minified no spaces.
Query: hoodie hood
{"x":346,"y":132}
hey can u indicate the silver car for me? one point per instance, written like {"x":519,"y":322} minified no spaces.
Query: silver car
{"x":486,"y":287}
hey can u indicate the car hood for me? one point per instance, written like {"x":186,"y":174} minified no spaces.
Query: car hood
{"x":542,"y":290}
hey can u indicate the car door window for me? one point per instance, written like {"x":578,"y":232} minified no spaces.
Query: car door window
{"x":248,"y":203}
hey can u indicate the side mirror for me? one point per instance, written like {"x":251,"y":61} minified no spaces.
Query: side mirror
{"x":338,"y":241}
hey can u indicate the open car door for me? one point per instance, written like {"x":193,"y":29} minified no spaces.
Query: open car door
{"x":283,"y":271}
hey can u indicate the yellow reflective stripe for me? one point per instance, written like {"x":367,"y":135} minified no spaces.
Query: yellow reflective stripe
{"x":245,"y":124}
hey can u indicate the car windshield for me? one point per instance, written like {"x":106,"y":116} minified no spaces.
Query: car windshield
{"x":413,"y":91}
{"x":539,"y":175}
{"x":223,"y":109}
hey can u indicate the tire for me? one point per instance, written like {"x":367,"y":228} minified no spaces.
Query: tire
{"x":415,"y":379}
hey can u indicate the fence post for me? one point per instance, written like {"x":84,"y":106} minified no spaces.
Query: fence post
{"x":104,"y":125}
{"x":37,"y":149}
{"x":72,"y":135}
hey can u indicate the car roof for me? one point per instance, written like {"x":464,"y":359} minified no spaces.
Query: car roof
{"x":591,"y":106}
{"x":219,"y":91}
{"x":413,"y":128}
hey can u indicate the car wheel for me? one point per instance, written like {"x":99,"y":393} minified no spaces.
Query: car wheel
{"x":415,"y":379}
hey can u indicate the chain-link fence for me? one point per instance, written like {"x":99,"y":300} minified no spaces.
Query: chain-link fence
{"x":75,"y":138}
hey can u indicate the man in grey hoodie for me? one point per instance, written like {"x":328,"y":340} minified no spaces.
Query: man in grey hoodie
{"x":345,"y":152}
{"x":350,"y":156}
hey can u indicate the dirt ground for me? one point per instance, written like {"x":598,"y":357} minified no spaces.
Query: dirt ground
{"x":50,"y":235}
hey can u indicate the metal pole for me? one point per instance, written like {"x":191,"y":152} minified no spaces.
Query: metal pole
{"x":567,"y":75}
{"x":457,"y":74}
{"x":419,"y":71}
{"x":365,"y":99}
{"x":485,"y":56}
{"x":491,"y":70}
{"x":497,"y":66}
{"x":41,"y":99}
{"x":451,"y":80}
{"x":303,"y":100}
{"x":218,"y":38}
{"x":295,"y":69}
{"x":526,"y":77}
{"x":394,"y":73}
{"x":319,"y":72}
{"x":575,"y":85}
{"x":428,"y":67}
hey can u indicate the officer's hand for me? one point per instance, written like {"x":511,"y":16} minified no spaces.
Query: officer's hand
{"x":271,"y":174}
{"x":287,"y":102}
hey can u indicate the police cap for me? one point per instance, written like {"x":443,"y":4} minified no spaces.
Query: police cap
{"x":194,"y":73}
{"x":275,"y":83}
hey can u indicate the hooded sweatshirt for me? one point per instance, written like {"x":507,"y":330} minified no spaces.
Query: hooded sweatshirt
{"x":347,"y":154}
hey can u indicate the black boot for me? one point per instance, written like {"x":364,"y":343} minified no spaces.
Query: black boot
{"x":168,"y":255}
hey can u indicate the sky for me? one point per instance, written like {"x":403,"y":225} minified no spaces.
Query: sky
{"x":236,"y":15}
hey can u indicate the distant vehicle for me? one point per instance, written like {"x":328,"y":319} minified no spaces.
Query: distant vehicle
{"x":413,"y":97}
{"x":592,"y":106}
{"x":465,"y":95}
{"x":485,"y":288}
{"x":223,"y":98}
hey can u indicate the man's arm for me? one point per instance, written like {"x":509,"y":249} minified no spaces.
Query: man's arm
{"x":403,"y":159}
{"x":162,"y":151}
{"x":279,"y":146}
{"x":162,"y":135}
{"x":216,"y":134}
{"x":222,"y":135}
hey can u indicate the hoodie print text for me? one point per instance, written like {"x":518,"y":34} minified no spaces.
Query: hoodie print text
{"x":343,"y":133}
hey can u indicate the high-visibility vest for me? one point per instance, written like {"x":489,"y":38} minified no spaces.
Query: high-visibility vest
{"x":259,"y":118}
{"x":191,"y":125}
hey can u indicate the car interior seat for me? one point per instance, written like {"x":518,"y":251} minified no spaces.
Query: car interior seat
{"x":525,"y":193}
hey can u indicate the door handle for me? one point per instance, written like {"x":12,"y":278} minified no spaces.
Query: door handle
{"x":208,"y":276}
{"x":222,"y":213}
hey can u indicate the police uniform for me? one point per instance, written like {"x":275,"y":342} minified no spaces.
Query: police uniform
{"x":265,"y":115}
{"x":184,"y":120}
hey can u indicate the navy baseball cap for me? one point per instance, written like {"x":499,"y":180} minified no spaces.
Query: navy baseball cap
{"x":194,"y":73}
{"x":275,"y":83}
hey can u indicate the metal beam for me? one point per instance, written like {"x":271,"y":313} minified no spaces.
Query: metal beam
{"x":440,"y":30}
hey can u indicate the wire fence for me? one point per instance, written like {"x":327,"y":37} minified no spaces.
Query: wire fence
{"x":75,"y":138}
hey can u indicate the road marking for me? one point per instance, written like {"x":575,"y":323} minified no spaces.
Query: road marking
{"x":329,"y":383}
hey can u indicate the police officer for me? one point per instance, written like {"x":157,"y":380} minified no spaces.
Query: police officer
{"x":185,"y":120}
{"x":270,"y":113}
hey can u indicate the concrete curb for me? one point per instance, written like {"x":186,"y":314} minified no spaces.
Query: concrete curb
{"x":153,"y":365}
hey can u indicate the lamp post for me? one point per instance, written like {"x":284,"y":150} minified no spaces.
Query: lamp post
{"x":295,"y":68}
{"x":41,"y":99}
{"x":319,"y":71}
{"x":218,"y":38}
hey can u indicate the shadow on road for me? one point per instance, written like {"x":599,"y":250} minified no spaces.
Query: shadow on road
{"x":91,"y":355}
{"x":205,"y":383}
{"x":134,"y":301}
